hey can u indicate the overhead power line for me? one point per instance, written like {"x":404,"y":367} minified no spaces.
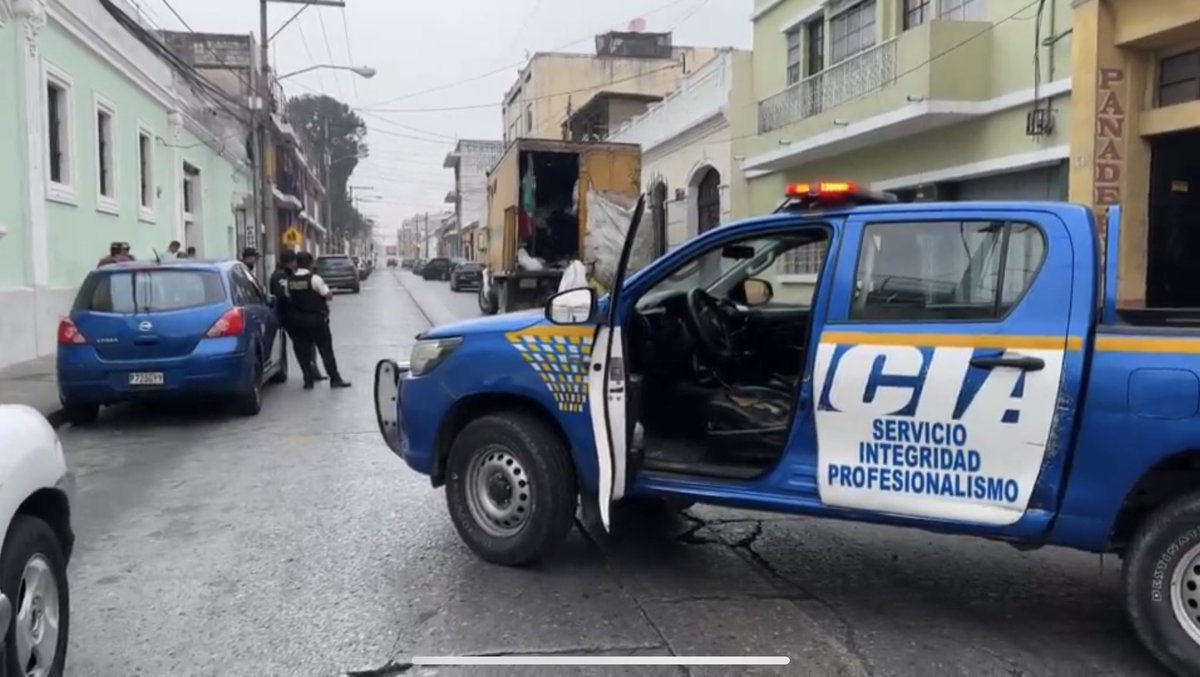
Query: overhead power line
{"x":510,"y":66}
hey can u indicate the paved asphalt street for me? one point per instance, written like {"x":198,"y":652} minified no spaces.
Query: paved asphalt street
{"x":295,"y":543}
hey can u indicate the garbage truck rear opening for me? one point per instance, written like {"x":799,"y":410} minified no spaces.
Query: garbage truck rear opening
{"x":538,"y":222}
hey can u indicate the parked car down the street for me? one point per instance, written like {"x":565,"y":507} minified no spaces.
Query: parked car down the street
{"x":177,"y":329}
{"x":35,"y":513}
{"x":436,"y":269}
{"x":466,"y":275}
{"x":339,"y":272}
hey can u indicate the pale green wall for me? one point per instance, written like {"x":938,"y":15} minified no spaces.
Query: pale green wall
{"x":12,"y":246}
{"x":222,"y":187}
{"x":79,"y":234}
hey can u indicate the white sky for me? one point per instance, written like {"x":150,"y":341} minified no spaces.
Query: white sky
{"x":446,"y":44}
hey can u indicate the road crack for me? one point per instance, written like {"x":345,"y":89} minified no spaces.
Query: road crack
{"x":849,"y":636}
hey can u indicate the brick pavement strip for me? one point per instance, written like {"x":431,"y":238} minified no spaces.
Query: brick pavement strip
{"x":33,"y":383}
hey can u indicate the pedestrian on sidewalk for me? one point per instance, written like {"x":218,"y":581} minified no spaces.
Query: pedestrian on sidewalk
{"x":125,"y":252}
{"x":250,"y":257}
{"x":173,"y":249}
{"x":279,"y":289}
{"x":191,"y":253}
{"x":308,"y":308}
{"x":114,"y":255}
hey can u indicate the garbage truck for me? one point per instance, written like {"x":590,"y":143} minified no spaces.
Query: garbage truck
{"x":551,"y":203}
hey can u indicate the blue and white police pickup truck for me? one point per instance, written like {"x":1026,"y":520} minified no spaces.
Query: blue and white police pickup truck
{"x":955,"y":367}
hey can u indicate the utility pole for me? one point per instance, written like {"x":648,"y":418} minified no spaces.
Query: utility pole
{"x":260,"y":121}
{"x":328,"y":190}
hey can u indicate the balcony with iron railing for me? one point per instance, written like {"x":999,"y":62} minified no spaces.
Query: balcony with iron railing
{"x":701,"y":95}
{"x":915,"y":66}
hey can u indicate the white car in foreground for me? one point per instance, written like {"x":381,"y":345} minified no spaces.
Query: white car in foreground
{"x":36,"y":490}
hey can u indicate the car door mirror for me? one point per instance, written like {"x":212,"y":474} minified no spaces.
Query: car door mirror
{"x":757,"y":291}
{"x":574,"y":306}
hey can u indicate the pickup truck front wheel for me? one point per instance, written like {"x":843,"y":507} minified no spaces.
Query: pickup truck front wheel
{"x":1162,"y":584}
{"x":510,"y":488}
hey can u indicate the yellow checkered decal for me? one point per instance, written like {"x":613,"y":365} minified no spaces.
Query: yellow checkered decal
{"x":560,"y":356}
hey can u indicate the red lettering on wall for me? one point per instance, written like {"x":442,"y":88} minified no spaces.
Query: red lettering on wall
{"x":1110,"y":136}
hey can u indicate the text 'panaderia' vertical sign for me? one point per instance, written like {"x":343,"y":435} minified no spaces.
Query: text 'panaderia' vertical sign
{"x":1109,"y":162}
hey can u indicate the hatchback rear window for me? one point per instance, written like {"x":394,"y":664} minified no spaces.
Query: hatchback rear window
{"x":334,"y":263}
{"x":147,"y":291}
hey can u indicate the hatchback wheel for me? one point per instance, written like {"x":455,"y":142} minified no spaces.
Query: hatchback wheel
{"x":249,"y":403}
{"x":81,"y":414}
{"x":33,"y":575}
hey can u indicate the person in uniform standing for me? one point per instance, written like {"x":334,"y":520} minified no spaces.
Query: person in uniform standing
{"x":279,"y":289}
{"x":308,"y":311}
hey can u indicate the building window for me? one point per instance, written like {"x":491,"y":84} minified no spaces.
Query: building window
{"x":916,"y":12}
{"x":816,"y":45}
{"x":793,"y":56}
{"x":528,"y":118}
{"x":939,"y":271}
{"x":963,"y":10}
{"x":1179,"y":78}
{"x":805,"y":260}
{"x":60,"y":140}
{"x":106,"y":161}
{"x":146,"y":190}
{"x":852,"y":31}
{"x":189,"y":192}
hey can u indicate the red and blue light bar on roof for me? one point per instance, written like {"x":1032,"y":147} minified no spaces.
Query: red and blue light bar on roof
{"x":831,"y":194}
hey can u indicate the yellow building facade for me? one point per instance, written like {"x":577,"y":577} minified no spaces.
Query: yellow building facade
{"x":932,"y":99}
{"x":1135,"y":139}
{"x":553,"y":85}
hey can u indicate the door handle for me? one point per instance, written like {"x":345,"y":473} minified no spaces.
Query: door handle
{"x":1022,"y":362}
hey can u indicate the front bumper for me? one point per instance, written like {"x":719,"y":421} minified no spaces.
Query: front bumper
{"x":388,"y":374}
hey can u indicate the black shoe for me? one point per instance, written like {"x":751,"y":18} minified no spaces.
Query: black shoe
{"x":339,"y":383}
{"x":308,"y":385}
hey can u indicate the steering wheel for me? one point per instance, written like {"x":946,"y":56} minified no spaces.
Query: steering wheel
{"x":710,"y":324}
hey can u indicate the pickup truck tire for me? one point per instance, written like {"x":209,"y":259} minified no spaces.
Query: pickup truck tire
{"x":1162,"y":584}
{"x":510,"y":488}
{"x":34,"y":565}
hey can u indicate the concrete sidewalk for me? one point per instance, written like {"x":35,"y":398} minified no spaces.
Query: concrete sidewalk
{"x":34,"y":383}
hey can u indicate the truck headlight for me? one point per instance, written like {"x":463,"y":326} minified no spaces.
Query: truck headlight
{"x":429,"y":353}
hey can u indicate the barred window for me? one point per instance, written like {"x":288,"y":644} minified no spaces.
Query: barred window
{"x":964,"y":10}
{"x":805,"y":260}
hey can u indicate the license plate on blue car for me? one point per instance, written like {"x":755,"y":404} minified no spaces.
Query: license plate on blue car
{"x":146,"y":378}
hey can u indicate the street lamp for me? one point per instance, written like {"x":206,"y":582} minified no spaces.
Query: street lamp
{"x":362,"y":71}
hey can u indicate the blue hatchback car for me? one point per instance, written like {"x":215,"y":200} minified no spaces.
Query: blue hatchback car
{"x":175,"y":329}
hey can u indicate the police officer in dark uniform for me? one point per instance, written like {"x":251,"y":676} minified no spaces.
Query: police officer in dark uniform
{"x":308,"y":313}
{"x":278,"y":287}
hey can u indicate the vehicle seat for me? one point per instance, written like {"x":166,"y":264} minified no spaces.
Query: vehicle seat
{"x":749,"y":420}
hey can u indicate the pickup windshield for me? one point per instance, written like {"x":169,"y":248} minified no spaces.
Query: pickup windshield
{"x":147,"y":291}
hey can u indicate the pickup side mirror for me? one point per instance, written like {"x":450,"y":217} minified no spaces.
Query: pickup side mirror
{"x":757,"y":291}
{"x":574,"y":306}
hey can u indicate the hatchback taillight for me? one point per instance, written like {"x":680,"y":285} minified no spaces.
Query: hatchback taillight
{"x":232,"y":323}
{"x":69,"y":334}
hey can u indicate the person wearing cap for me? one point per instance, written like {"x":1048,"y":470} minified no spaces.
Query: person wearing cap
{"x":308,"y":311}
{"x":250,"y":257}
{"x":114,"y":255}
{"x":173,"y":249}
{"x":278,"y":286}
{"x":125,"y":255}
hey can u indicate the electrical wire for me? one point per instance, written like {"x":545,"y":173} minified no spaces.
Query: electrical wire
{"x":212,"y":51}
{"x":325,"y":36}
{"x":509,"y":66}
{"x":287,"y":23}
{"x":311,"y":59}
{"x":350,"y":54}
{"x":552,"y":95}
